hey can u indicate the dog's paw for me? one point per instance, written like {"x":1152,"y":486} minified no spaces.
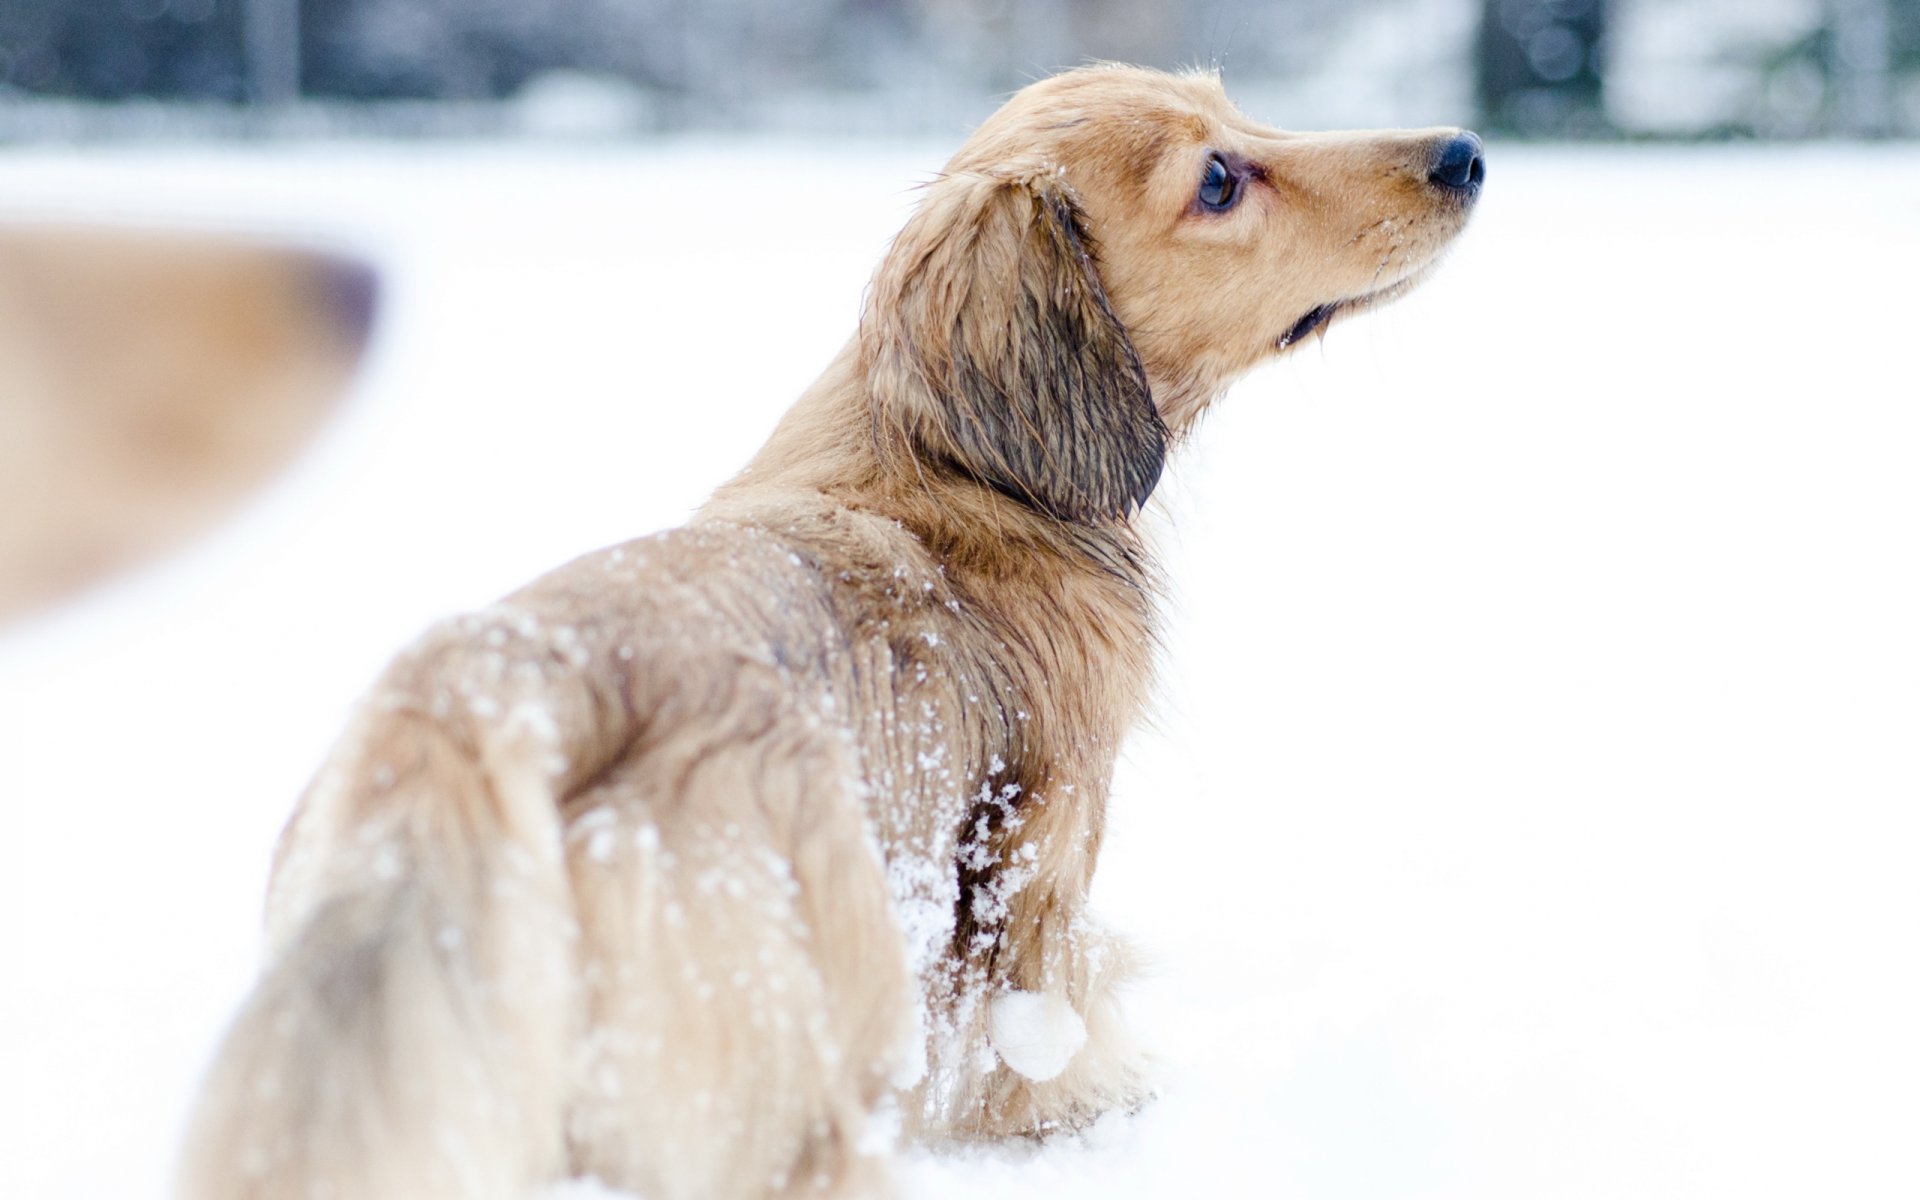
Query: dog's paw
{"x":1035,"y":1034}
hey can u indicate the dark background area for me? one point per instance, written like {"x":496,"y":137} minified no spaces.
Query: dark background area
{"x":1551,"y":68}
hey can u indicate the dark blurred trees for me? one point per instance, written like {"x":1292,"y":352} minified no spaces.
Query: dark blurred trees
{"x":1541,"y":64}
{"x":1539,"y":67}
{"x":1859,"y":66}
{"x":117,"y":49}
{"x":714,"y":49}
{"x":428,"y":49}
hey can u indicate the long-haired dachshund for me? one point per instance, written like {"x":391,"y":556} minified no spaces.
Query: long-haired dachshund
{"x":712,"y":863}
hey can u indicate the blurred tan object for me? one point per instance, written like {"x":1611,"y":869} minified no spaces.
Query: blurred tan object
{"x":148,"y":382}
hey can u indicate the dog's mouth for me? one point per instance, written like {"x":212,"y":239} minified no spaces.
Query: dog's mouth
{"x":1318,"y":318}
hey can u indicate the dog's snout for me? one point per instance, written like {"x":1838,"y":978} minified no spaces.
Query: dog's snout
{"x":1460,"y":163}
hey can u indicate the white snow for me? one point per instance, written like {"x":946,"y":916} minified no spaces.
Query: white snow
{"x":1035,"y":1034}
{"x":1531,"y":808}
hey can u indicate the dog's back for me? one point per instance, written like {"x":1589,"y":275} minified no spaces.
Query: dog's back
{"x":462,"y":988}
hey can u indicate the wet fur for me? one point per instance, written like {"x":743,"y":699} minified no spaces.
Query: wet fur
{"x":691,"y":862}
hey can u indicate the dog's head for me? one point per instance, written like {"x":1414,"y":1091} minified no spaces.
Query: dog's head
{"x":1111,"y":250}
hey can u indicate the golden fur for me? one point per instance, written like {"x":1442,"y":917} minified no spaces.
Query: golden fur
{"x":694,"y":861}
{"x":148,"y":381}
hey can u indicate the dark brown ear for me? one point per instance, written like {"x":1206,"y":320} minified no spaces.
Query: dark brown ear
{"x":991,"y":350}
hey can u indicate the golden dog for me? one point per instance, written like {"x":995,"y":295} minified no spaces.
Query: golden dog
{"x":704,"y":863}
{"x":148,"y":382}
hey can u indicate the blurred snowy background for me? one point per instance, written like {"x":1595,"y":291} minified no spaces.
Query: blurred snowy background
{"x":1769,"y":68}
{"x":1533,"y":806}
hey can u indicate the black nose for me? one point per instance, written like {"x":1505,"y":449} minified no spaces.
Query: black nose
{"x":350,"y":291}
{"x":1460,"y":164}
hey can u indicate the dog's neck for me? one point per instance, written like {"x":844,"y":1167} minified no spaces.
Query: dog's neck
{"x":1069,"y":607}
{"x":827,"y":446}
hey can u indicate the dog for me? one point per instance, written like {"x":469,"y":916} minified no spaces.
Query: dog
{"x":714,"y":863}
{"x":149,"y":381}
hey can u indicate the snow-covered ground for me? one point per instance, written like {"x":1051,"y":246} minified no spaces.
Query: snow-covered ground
{"x":1531,"y":810}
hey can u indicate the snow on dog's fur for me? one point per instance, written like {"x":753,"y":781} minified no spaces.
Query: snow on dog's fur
{"x":700,"y":863}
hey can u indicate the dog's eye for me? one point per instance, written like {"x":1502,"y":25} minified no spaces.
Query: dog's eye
{"x":1218,"y":188}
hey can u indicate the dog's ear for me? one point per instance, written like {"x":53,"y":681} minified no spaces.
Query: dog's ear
{"x":990,"y":348}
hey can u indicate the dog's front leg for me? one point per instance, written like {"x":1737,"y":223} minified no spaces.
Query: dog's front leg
{"x":1047,"y":972}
